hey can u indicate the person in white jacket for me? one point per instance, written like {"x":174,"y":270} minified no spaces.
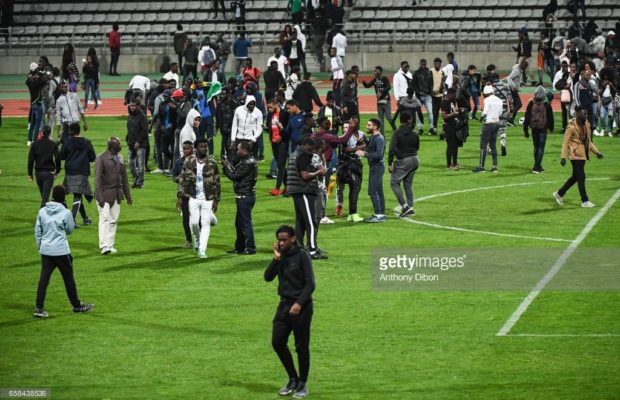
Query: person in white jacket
{"x":192,"y":121}
{"x":302,"y":38}
{"x":401,"y":80}
{"x":340,"y":43}
{"x":247,"y":123}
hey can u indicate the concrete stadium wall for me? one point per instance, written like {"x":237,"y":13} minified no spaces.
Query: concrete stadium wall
{"x":135,"y":64}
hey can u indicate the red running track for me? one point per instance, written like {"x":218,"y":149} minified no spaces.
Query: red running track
{"x":115,"y":107}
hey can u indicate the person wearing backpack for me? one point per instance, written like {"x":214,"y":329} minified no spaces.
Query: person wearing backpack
{"x":538,"y":117}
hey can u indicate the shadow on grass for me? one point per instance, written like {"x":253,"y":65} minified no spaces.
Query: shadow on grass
{"x":249,"y":386}
{"x":244,"y":264}
{"x":194,"y":330}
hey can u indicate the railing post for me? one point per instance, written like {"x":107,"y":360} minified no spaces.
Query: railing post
{"x":10,"y":38}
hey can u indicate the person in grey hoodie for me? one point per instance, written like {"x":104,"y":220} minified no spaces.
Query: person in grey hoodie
{"x":54,"y":223}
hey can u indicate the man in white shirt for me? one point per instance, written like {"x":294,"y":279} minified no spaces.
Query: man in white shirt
{"x":493,"y":107}
{"x":340,"y":43}
{"x":337,"y":68}
{"x":172,"y":74}
{"x":140,"y":83}
{"x":401,"y":80}
{"x":280,"y":59}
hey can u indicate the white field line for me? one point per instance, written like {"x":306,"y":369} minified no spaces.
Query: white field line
{"x":552,"y":335}
{"x":454,"y":228}
{"x":557,"y":266}
{"x":432,"y":196}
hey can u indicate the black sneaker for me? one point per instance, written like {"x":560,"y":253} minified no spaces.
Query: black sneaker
{"x":289,"y":388}
{"x":432,"y":131}
{"x":503,"y":151}
{"x":84,"y":308}
{"x":302,"y":391}
{"x":477,"y":170}
{"x":234,"y":251}
{"x":248,"y":252}
{"x":87,"y":221}
{"x":406,"y":211}
{"x":318,"y":256}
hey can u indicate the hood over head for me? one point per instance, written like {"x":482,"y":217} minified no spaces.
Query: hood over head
{"x":539,"y":93}
{"x":248,"y":99}
{"x":191,"y":116}
{"x":53,"y":208}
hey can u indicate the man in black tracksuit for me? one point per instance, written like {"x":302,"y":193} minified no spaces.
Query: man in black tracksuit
{"x":302,"y":185}
{"x":43,"y":157}
{"x":293,"y":267}
{"x":244,"y":176}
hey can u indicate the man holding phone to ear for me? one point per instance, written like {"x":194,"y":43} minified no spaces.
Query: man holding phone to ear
{"x":293,"y":267}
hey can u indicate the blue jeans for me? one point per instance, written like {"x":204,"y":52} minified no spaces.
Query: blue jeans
{"x":540,"y":139}
{"x":243,"y":223}
{"x":36,"y":119}
{"x":137,"y":160}
{"x":223,"y":64}
{"x":90,"y":88}
{"x":427,"y":101}
{"x":476,"y":98}
{"x":375,"y":188}
{"x":607,"y":114}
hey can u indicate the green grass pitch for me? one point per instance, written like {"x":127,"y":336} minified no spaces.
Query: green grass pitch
{"x":169,"y":326}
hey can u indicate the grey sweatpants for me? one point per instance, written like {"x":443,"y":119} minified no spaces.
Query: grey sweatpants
{"x":404,"y":170}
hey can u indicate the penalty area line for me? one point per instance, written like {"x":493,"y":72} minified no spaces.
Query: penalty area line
{"x":556,"y":267}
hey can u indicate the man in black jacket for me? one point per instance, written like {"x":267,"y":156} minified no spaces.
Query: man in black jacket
{"x":293,"y":267}
{"x":348,"y":95}
{"x":43,"y":157}
{"x":293,"y":51}
{"x":137,"y":142}
{"x":277,"y":120}
{"x":305,"y":94}
{"x":244,"y":176}
{"x":382,"y":88}
{"x":225,"y":112}
{"x":273,"y":81}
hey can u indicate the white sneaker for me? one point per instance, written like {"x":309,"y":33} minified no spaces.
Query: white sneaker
{"x":602,"y":132}
{"x":213,"y":219}
{"x":157,"y":171}
{"x":105,"y":250}
{"x":202,"y":254}
{"x":326,"y":220}
{"x":28,"y":143}
{"x":113,"y":250}
{"x":595,"y":133}
{"x":558,"y":199}
{"x":588,"y":204}
{"x":610,"y":133}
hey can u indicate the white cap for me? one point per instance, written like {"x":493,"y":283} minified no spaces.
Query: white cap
{"x":488,"y":89}
{"x":611,"y":33}
{"x":33,"y":66}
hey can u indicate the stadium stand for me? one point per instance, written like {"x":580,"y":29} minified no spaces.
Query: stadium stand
{"x":370,"y":25}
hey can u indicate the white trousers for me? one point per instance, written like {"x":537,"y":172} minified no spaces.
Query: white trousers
{"x":108,"y":216}
{"x":201,"y":211}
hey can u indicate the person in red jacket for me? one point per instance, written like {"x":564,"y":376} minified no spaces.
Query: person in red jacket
{"x":114,"y":42}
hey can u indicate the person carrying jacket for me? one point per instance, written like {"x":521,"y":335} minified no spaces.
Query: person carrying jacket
{"x":538,"y":117}
{"x":576,"y":146}
{"x":54,"y":224}
{"x":78,"y":153}
{"x":244,"y":176}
